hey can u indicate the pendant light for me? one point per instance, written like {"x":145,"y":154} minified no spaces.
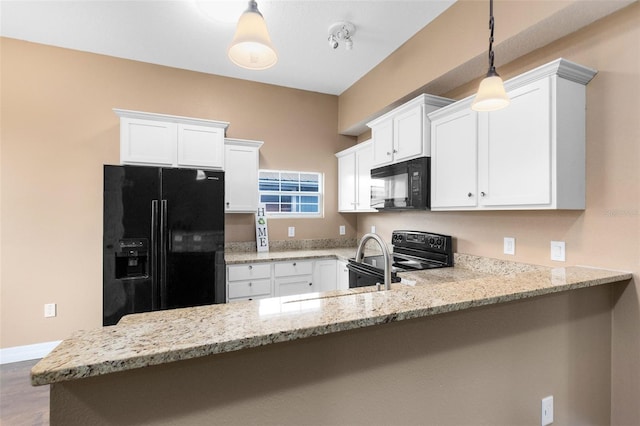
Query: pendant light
{"x":251,"y":47}
{"x":491,"y":95}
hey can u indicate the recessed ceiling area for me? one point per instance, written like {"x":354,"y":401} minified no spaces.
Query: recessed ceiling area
{"x":179,"y":34}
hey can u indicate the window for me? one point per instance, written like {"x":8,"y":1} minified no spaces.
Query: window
{"x":288,"y":193}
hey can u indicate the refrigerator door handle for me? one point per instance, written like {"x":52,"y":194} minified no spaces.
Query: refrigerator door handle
{"x":163,"y":254}
{"x":154,"y":255}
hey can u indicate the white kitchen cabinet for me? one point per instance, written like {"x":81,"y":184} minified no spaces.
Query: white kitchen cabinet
{"x":454,"y":159}
{"x":403,"y":133}
{"x":354,"y":178}
{"x":342,"y":275}
{"x":199,"y":146}
{"x":530,"y":155}
{"x":171,"y":141}
{"x":241,"y":175}
{"x":249,"y":281}
{"x":324,"y":275}
{"x":294,"y":277}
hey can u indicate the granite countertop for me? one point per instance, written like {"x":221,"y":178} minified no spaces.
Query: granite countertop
{"x":154,"y":338}
{"x":276,"y":256}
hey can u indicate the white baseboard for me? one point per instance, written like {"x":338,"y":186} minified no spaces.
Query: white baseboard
{"x":27,"y":352}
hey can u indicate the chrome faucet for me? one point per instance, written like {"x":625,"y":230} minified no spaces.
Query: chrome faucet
{"x":385,"y":253}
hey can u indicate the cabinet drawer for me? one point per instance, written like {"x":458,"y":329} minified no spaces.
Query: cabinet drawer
{"x":286,"y":269}
{"x":288,"y":286}
{"x":249,"y":288}
{"x":248,"y":272}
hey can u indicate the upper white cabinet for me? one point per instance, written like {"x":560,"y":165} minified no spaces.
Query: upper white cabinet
{"x":403,"y":133}
{"x":354,"y":178}
{"x":529,"y":155}
{"x":242,"y":162}
{"x":169,"y":140}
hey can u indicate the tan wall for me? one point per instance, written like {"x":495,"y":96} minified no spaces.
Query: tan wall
{"x":58,"y":129}
{"x":607,"y":233}
{"x":489,"y":366}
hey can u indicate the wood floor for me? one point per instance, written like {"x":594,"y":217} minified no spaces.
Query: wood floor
{"x":20,"y":403}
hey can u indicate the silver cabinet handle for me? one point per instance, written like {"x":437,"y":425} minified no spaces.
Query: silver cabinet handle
{"x":482,"y":194}
{"x":250,"y":266}
{"x":469,"y":195}
{"x":395,"y":151}
{"x":388,"y":153}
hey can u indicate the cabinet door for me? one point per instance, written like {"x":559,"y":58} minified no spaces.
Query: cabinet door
{"x":454,"y":161}
{"x":324,"y":275}
{"x":200,"y":146}
{"x":342,"y":275}
{"x":363,"y":161}
{"x":241,"y":179}
{"x":347,"y":182}
{"x":407,"y":130}
{"x":382,"y":135}
{"x":515,"y":155}
{"x":147,"y":142}
{"x":297,"y":284}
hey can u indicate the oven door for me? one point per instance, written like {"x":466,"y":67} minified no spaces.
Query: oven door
{"x":363,"y":275}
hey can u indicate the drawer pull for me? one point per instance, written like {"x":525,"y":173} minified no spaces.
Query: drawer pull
{"x":294,"y":263}
{"x":310,"y":283}
{"x":250,"y":284}
{"x":250,"y":266}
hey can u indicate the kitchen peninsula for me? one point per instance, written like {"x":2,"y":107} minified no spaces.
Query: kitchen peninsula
{"x":285,"y":360}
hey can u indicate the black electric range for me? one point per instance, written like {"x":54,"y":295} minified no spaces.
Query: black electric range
{"x":412,"y":251}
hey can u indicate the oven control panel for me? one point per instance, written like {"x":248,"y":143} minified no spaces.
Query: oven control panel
{"x":421,"y":240}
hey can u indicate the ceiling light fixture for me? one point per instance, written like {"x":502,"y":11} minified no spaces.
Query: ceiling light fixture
{"x":251,"y":47}
{"x":341,"y":32}
{"x":491,"y":95}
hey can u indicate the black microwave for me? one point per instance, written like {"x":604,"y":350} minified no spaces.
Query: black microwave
{"x":402,"y":186}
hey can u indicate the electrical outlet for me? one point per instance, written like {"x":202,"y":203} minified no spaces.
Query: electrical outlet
{"x":546,"y":417}
{"x":558,"y":251}
{"x":373,"y":229}
{"x":509,"y":245}
{"x":292,"y":231}
{"x":342,"y":230}
{"x":49,"y":310}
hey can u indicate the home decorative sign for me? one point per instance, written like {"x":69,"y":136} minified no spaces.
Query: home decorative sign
{"x":262,"y":234}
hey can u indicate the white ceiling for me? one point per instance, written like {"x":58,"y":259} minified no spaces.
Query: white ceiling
{"x":178,"y":34}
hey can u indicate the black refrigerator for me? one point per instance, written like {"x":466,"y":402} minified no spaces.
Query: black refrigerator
{"x":163,"y":239}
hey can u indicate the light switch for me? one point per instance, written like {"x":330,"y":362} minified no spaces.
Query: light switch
{"x":558,"y":251}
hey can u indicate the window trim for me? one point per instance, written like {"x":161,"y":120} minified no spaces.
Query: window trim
{"x":294,"y":215}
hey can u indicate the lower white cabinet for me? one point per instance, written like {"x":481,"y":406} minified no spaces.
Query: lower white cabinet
{"x":250,"y":281}
{"x":324,"y":275}
{"x":295,"y":277}
{"x":342,"y":275}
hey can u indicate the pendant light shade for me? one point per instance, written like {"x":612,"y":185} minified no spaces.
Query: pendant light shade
{"x":251,"y":47}
{"x":491,"y":95}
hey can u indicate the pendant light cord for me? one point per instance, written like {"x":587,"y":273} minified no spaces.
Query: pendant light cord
{"x":492,"y":69}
